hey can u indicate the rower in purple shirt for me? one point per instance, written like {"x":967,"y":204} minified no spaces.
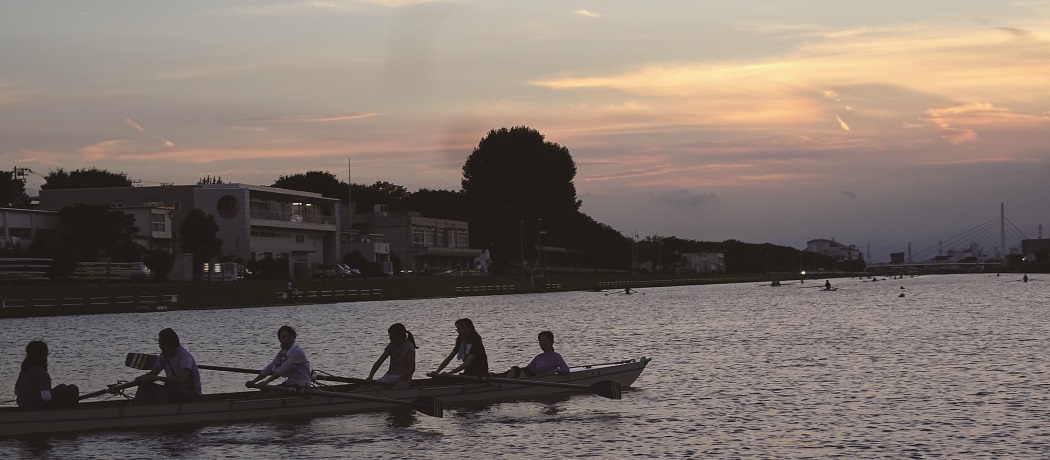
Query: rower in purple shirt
{"x":544,"y":363}
{"x":181,"y":381}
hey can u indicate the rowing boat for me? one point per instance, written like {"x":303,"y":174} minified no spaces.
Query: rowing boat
{"x":248,"y":405}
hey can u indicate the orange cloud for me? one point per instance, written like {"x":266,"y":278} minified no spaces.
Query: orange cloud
{"x":948,"y":120}
{"x":787,"y":94}
{"x":843,"y":124}
{"x":316,"y":118}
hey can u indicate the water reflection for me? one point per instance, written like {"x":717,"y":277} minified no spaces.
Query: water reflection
{"x":36,"y":446}
{"x":402,"y":417}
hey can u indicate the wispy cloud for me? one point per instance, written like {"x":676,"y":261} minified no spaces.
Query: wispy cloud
{"x":315,"y":118}
{"x":848,"y":194}
{"x":681,"y":197}
{"x":140,"y":129}
{"x":321,"y":6}
{"x":843,"y":124}
{"x":958,"y":123}
{"x":1019,"y":33}
{"x":631,"y":173}
{"x":109,"y":150}
{"x":131,"y":123}
{"x":589,"y":14}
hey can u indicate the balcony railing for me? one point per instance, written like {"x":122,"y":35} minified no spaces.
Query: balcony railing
{"x":284,"y":216}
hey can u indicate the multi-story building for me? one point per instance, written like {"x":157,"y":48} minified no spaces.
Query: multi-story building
{"x":423,"y":244}
{"x":255,"y":222}
{"x":18,"y":227}
{"x":705,"y":262}
{"x":1030,"y":249}
{"x":831,"y":248}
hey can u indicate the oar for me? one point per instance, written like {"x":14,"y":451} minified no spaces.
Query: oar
{"x":428,"y":405}
{"x":605,"y":388}
{"x":111,"y":389}
{"x":144,"y":361}
{"x":332,"y":378}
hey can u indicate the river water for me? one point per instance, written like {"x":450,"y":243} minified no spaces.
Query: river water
{"x":956,"y":368}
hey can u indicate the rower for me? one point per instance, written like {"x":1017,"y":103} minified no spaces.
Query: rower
{"x":182,"y":379}
{"x":33,"y":388}
{"x":402,"y":353}
{"x":544,"y":363}
{"x":290,"y":363}
{"x":469,"y":349}
{"x":827,"y":285}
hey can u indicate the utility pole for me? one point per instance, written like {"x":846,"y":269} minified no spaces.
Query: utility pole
{"x":521,"y":247}
{"x":539,"y":247}
{"x":20,"y":173}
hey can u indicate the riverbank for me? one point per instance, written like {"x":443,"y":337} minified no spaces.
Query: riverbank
{"x":71,"y":298}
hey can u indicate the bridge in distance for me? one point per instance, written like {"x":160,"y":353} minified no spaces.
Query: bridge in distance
{"x":962,"y":253}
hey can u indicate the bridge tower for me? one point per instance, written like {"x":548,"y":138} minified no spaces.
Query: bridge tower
{"x":1002,"y":230}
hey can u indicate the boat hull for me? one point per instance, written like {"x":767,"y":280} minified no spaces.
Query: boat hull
{"x":246,"y":405}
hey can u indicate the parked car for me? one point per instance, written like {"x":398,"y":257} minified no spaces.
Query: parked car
{"x":348,"y":272}
{"x":335,"y":271}
{"x":326,"y":271}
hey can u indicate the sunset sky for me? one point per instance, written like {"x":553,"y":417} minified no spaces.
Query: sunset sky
{"x":873,"y":123}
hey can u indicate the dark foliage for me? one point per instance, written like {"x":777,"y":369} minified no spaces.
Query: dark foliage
{"x":197,"y":234}
{"x":160,"y":263}
{"x":91,"y":231}
{"x":13,"y":191}
{"x":322,"y":182}
{"x":84,"y":178}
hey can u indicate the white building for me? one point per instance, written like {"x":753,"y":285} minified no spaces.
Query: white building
{"x":831,"y":248}
{"x":255,"y":222}
{"x":705,"y":262}
{"x":18,"y":227}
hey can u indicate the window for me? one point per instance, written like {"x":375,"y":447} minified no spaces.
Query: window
{"x":20,"y":232}
{"x":460,"y":239}
{"x":158,"y":223}
{"x":228,"y":207}
{"x":300,"y":238}
{"x":178,"y":205}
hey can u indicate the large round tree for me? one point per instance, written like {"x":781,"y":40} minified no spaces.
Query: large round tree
{"x":512,"y":180}
{"x":517,"y":168}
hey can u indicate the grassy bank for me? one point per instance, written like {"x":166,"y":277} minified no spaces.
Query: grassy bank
{"x":69,"y":298}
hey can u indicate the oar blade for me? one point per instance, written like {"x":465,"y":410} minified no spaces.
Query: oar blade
{"x":429,"y":405}
{"x":142,"y":361}
{"x":607,"y":389}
